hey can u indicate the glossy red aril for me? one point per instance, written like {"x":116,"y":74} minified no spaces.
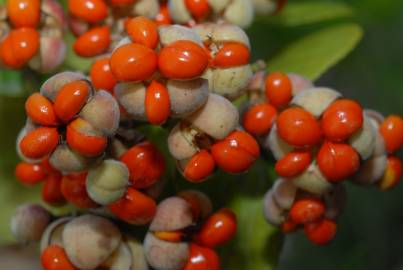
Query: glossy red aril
{"x":146,"y":164}
{"x":163,"y":17}
{"x":342,"y":119}
{"x":51,"y":190}
{"x":93,"y":42}
{"x":143,"y":31}
{"x":74,"y":190}
{"x":40,"y":110}
{"x":157,"y":103}
{"x":232,"y":54}
{"x":101,"y":75}
{"x":218,"y":229}
{"x":306,"y":210}
{"x":29,"y":174}
{"x":133,"y":62}
{"x":201,"y":258}
{"x":70,"y":99}
{"x":236,"y":153}
{"x":392,"y":132}
{"x":337,"y":161}
{"x":182,"y":59}
{"x":24,"y":13}
{"x":298,"y":127}
{"x":18,"y":47}
{"x":200,"y":166}
{"x":134,"y":208}
{"x":54,"y":258}
{"x":393,"y":173}
{"x":278,"y":89}
{"x":293,"y":164}
{"x":198,"y":8}
{"x":259,"y":119}
{"x":39,"y":142}
{"x":91,"y":11}
{"x":321,"y":232}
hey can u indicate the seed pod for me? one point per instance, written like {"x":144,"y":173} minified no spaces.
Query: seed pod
{"x":240,"y":12}
{"x":284,"y":193}
{"x":51,"y":86}
{"x":173,"y":214}
{"x":165,"y":255}
{"x":53,"y":233}
{"x":187,"y":96}
{"x":146,"y":8}
{"x":51,"y":55}
{"x":363,"y":141}
{"x":67,"y":160}
{"x":379,"y":148}
{"x":312,"y":181}
{"x":206,"y":118}
{"x":200,"y":202}
{"x":108,"y":182}
{"x":89,"y":240}
{"x":121,"y":259}
{"x":278,"y":147}
{"x":272,"y":212}
{"x":371,"y":170}
{"x":316,"y":100}
{"x":181,"y":142}
{"x":171,"y":33}
{"x":102,"y":112}
{"x":29,"y":222}
{"x":218,"y":5}
{"x":299,"y":83}
{"x":179,"y":12}
{"x":139,"y":261}
{"x":131,"y":96}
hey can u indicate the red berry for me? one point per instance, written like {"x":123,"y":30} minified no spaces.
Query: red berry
{"x":39,"y":142}
{"x":306,"y":210}
{"x":143,"y":31}
{"x":93,"y":42}
{"x":393,"y":173}
{"x":40,"y":110}
{"x":342,"y":119}
{"x":232,"y":54}
{"x":74,"y":190}
{"x":321,"y":232}
{"x":278,"y":89}
{"x":91,"y":11}
{"x":55,"y":258}
{"x":199,"y":167}
{"x":198,"y":8}
{"x":201,"y":258}
{"x":157,"y":103}
{"x":392,"y":132}
{"x":293,"y":164}
{"x":259,"y":119}
{"x":163,"y":17}
{"x":24,"y":13}
{"x":101,"y":75}
{"x":51,"y":190}
{"x":29,"y":174}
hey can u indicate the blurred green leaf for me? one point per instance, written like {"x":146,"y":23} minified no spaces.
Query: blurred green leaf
{"x":314,"y":54}
{"x":297,"y":14}
{"x":11,"y":83}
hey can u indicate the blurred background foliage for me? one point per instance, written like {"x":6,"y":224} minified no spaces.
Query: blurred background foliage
{"x":370,"y":234}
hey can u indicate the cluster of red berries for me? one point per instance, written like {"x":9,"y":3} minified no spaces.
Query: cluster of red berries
{"x":98,"y":23}
{"x":185,"y":232}
{"x":320,"y":139}
{"x":31,"y":33}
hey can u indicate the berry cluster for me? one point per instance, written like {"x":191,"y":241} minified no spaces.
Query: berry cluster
{"x":319,"y":139}
{"x":31,"y":34}
{"x":98,"y":23}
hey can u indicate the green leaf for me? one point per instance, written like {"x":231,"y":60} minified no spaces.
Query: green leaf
{"x":297,"y":14}
{"x":314,"y":54}
{"x":18,"y":83}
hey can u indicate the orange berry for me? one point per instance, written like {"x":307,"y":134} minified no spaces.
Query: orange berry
{"x":337,"y":161}
{"x":321,"y":232}
{"x":201,"y":258}
{"x":198,"y":8}
{"x":175,"y":236}
{"x":39,"y":142}
{"x":341,"y":119}
{"x":200,"y":166}
{"x":74,"y":190}
{"x":306,"y":210}
{"x":182,"y":59}
{"x":236,"y":153}
{"x":392,"y":132}
{"x":51,"y":190}
{"x":70,"y":99}
{"x":157,"y":103}
{"x":24,"y":13}
{"x":232,"y":54}
{"x":278,"y":89}
{"x":288,"y":226}
{"x":146,"y":164}
{"x":259,"y":119}
{"x":93,"y":42}
{"x":293,"y":164}
{"x":298,"y":127}
{"x":143,"y":31}
{"x":393,"y":173}
{"x":163,"y":17}
{"x":40,"y":110}
{"x":18,"y":47}
{"x":133,"y":62}
{"x":29,"y":174}
{"x":82,"y":137}
{"x":135,"y":207}
{"x":55,"y":258}
{"x":218,"y":229}
{"x":91,"y":11}
{"x":101,"y":75}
